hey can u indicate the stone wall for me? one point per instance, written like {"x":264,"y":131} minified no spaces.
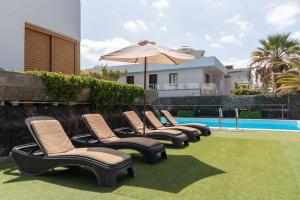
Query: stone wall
{"x":23,"y":87}
{"x":13,"y":130}
{"x":271,"y":106}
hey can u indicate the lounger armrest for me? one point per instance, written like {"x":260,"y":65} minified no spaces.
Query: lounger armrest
{"x":167,"y":124}
{"x":151,"y":127}
{"x":28,"y":149}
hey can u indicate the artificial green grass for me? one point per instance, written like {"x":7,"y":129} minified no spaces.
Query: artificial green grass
{"x":236,"y":165}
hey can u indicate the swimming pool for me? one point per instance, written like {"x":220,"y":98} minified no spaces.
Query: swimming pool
{"x":258,"y":124}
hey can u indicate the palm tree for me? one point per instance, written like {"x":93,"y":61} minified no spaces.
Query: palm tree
{"x":274,"y":56}
{"x":289,"y":81}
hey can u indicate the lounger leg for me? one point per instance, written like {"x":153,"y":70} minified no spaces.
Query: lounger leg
{"x":150,"y":158}
{"x":180,"y":144}
{"x":107,"y":179}
{"x":164,"y":155}
{"x":130,"y":172}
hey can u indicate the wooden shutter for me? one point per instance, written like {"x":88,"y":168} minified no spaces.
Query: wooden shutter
{"x":63,"y":56}
{"x":37,"y":51}
{"x":49,"y":51}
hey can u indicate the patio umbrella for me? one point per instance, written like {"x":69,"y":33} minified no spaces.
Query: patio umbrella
{"x":147,"y":53}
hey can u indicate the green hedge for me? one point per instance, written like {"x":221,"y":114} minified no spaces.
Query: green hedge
{"x":251,"y":114}
{"x":67,"y":88}
{"x":185,"y":114}
{"x":246,"y":91}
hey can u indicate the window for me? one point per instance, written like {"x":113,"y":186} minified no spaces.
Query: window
{"x":130,"y":79}
{"x":173,"y":79}
{"x":152,"y":81}
{"x":207,"y":78}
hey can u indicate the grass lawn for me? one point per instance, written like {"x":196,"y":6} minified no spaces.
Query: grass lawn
{"x":233,"y":166}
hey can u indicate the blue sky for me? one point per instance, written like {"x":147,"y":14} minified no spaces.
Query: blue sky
{"x":227,"y":29}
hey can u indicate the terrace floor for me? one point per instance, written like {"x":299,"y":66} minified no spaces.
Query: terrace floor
{"x":233,"y":166}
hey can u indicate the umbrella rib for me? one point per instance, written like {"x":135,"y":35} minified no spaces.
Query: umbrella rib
{"x":170,"y":58}
{"x":136,"y":60}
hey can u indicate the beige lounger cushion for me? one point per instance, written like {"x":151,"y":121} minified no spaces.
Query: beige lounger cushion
{"x":52,"y":136}
{"x":137,"y":124}
{"x":147,"y":142}
{"x":181,"y":128}
{"x":99,"y":126}
{"x":135,"y":121}
{"x":171,"y":132}
{"x":105,"y":155}
{"x":153,"y":120}
{"x":169,"y":117}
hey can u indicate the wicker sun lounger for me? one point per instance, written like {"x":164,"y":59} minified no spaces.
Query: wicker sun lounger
{"x":192,"y":133}
{"x":53,"y":149}
{"x":178,"y":138}
{"x":205,"y":131}
{"x":102,"y":136}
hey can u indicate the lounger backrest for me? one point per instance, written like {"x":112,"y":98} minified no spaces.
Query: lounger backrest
{"x":169,"y":117}
{"x":153,"y":120}
{"x":50,"y":135}
{"x":134,"y":121}
{"x":98,"y":126}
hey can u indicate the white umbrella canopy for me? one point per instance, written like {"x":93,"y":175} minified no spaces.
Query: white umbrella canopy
{"x":154,"y":54}
{"x":148,"y":53}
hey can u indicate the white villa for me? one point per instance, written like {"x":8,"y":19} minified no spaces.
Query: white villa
{"x":202,"y":76}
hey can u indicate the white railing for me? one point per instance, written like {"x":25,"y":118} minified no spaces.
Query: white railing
{"x":205,"y":88}
{"x":209,"y":89}
{"x":179,"y":86}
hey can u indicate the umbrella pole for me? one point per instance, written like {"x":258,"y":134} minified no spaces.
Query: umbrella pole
{"x":145,"y":86}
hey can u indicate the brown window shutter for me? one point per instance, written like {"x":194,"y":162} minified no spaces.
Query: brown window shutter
{"x":63,"y":56}
{"x":37,"y":51}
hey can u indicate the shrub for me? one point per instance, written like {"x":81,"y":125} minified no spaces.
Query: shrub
{"x":251,"y":114}
{"x":246,"y":91}
{"x":185,"y":114}
{"x":62,"y":87}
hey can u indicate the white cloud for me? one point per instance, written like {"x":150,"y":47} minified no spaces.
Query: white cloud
{"x":216,"y":45}
{"x":296,"y":35}
{"x":135,"y":25}
{"x":91,"y":50}
{"x":161,"y":4}
{"x":238,"y":63}
{"x":218,"y":4}
{"x":163,"y":29}
{"x":283,"y":15}
{"x":145,"y":2}
{"x":243,"y":25}
{"x":189,"y":34}
{"x":230,"y":39}
{"x":207,"y":37}
{"x":162,"y":15}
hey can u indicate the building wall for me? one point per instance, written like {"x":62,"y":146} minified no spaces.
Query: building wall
{"x":56,"y":15}
{"x":184,"y":76}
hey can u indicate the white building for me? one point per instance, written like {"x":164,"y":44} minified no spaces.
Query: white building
{"x":40,"y":34}
{"x":202,"y":76}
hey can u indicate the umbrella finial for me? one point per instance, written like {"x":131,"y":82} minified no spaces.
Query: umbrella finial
{"x":144,"y":42}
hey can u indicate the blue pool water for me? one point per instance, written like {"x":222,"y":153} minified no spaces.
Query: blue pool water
{"x":265,"y":124}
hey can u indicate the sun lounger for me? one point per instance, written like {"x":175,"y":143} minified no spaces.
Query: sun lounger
{"x":192,"y":133}
{"x":205,"y":131}
{"x":178,"y":138}
{"x":103,"y":136}
{"x":53,"y":149}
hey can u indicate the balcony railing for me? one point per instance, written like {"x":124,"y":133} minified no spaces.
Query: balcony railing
{"x":205,"y":88}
